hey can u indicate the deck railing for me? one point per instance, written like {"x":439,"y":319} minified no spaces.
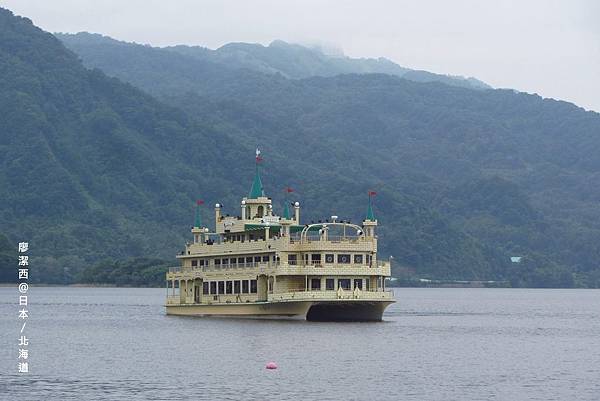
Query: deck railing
{"x":331,"y":238}
{"x":289,"y":268}
{"x":331,"y":295}
{"x":239,"y":266}
{"x":173,"y":299}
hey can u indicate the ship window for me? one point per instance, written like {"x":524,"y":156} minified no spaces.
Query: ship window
{"x":213,"y":287}
{"x":201,"y":262}
{"x":205,"y":287}
{"x":358,"y":259}
{"x":251,"y":237}
{"x":257,"y":259}
{"x":221,"y":287}
{"x":292,"y":259}
{"x":245,"y":286}
{"x":233,"y":262}
{"x":329,"y":284}
{"x":344,"y":283}
{"x":194,"y":263}
{"x":265,"y":259}
{"x":241,"y":261}
{"x":329,"y":258}
{"x":253,"y":289}
{"x":343,"y":258}
{"x":315,"y":284}
{"x":261,"y":211}
{"x":358,"y":283}
{"x":316,"y":258}
{"x":236,"y":287}
{"x":369,"y":259}
{"x":367,"y":284}
{"x":225,"y":262}
{"x":249,"y":259}
{"x":229,"y":287}
{"x":217,"y":262}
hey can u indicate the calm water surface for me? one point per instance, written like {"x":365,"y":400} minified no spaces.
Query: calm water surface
{"x":435,"y":344}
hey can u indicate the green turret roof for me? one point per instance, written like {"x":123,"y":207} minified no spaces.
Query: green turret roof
{"x":370,"y":214}
{"x":286,"y":211}
{"x":257,"y":188}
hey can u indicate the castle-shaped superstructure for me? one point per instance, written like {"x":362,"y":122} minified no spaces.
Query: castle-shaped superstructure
{"x":259,"y":264}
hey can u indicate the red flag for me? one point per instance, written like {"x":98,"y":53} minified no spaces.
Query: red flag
{"x":372,"y":193}
{"x":288,"y":190}
{"x":259,"y":159}
{"x":199,"y":202}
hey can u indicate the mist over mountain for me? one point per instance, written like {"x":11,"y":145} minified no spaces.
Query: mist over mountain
{"x":110,"y":167}
{"x":290,"y":60}
{"x":296,"y":61}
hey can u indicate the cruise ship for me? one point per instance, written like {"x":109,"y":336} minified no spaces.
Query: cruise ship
{"x":262,"y":265}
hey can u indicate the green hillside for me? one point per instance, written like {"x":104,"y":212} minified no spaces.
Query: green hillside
{"x":91,"y":167}
{"x":509,"y":170}
{"x":94,"y":168}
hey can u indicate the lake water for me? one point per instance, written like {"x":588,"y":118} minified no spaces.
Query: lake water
{"x":435,"y":344}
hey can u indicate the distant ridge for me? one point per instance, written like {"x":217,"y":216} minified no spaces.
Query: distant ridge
{"x":297,"y":61}
{"x":290,"y":60}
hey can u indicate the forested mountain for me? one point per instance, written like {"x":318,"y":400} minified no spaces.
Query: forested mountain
{"x":95,"y":168}
{"x":288,"y":60}
{"x":92,"y":167}
{"x":511,"y":171}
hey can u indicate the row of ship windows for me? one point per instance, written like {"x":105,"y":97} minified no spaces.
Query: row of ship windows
{"x":342,"y":258}
{"x":315,"y":258}
{"x":250,"y":286}
{"x":234,"y":261}
{"x":343,"y":283}
{"x":245,"y":237}
{"x":229,"y":287}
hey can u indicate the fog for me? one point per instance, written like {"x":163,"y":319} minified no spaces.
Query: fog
{"x":547,"y":47}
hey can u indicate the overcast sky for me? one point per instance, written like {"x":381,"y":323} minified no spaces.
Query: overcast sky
{"x":540,"y":46}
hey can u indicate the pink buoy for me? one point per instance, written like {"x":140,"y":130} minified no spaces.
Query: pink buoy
{"x":271,"y":365}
